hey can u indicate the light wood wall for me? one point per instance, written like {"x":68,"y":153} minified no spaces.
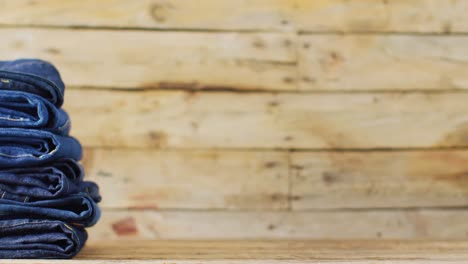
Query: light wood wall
{"x":262,"y":118}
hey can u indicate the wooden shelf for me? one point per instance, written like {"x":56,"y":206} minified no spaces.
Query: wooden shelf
{"x":255,"y":252}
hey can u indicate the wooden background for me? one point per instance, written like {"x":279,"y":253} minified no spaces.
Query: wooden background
{"x":262,"y":118}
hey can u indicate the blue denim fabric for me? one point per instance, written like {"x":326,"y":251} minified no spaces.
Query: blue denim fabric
{"x":50,"y":181}
{"x":25,"y":110}
{"x":44,"y":202}
{"x":78,"y":209}
{"x":32,"y":76}
{"x":26,"y":238}
{"x":28,"y":147}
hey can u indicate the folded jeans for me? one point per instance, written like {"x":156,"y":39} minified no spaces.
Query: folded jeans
{"x":26,"y":110}
{"x":28,"y":147}
{"x":30,"y":238}
{"x":32,"y":76}
{"x":78,"y":209}
{"x":53,"y":180}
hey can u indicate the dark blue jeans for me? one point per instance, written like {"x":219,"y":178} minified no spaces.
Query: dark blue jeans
{"x":26,"y":238}
{"x":27,"y":147}
{"x":53,"y":180}
{"x":78,"y":209}
{"x":25,"y":110}
{"x":44,"y":202}
{"x":32,"y":76}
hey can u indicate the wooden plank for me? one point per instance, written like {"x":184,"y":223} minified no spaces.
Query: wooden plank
{"x":166,"y":14}
{"x":301,"y":250}
{"x":425,"y":16}
{"x":215,"y":179}
{"x":420,"y":16}
{"x":245,"y":61}
{"x":455,"y":260}
{"x":162,"y":119}
{"x":379,"y":179}
{"x":379,"y":62}
{"x":145,"y":59}
{"x":336,"y":225}
{"x":144,"y":179}
{"x":262,"y":251}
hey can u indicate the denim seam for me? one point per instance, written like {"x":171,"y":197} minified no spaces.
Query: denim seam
{"x":64,"y":126}
{"x":35,"y":223}
{"x":71,"y":229}
{"x":26,"y":198}
{"x":15,"y":225}
{"x":50,"y":153}
{"x":74,"y":234}
{"x":14,"y":119}
{"x":29,"y":155}
{"x":32,"y":76}
{"x":19,"y":156}
{"x":17,"y":119}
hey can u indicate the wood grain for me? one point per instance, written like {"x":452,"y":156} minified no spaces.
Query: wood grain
{"x":262,"y":251}
{"x":300,"y":132}
{"x":327,"y":224}
{"x":379,"y":179}
{"x":222,"y":179}
{"x":383,"y":62}
{"x":392,"y":16}
{"x":146,"y":59}
{"x":246,"y":61}
{"x":149,"y":179}
{"x":280,"y":250}
{"x":422,"y":16}
{"x":166,"y":14}
{"x":165,"y":119}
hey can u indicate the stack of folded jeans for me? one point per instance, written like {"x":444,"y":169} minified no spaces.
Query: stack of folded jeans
{"x":44,"y":203}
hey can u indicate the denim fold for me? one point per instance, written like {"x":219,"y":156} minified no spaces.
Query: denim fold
{"x":77,"y":209}
{"x":49,"y":181}
{"x":45,"y":203}
{"x":25,"y":110}
{"x":33,"y":76}
{"x":28,"y":147}
{"x":30,"y":238}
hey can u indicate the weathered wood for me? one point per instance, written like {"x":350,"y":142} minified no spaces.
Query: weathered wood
{"x":379,"y":179}
{"x":245,"y":61}
{"x":144,"y":59}
{"x":256,"y":177}
{"x":167,"y":14}
{"x":262,"y":251}
{"x":417,"y":16}
{"x":305,"y":15}
{"x":352,"y":224}
{"x":152,"y":119}
{"x":280,"y":250}
{"x":379,"y":62}
{"x":143,"y":179}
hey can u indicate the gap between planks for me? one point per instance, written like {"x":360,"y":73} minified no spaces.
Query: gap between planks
{"x":297,"y":32}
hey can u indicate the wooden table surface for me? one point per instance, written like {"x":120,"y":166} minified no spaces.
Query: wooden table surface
{"x":214,"y":252}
